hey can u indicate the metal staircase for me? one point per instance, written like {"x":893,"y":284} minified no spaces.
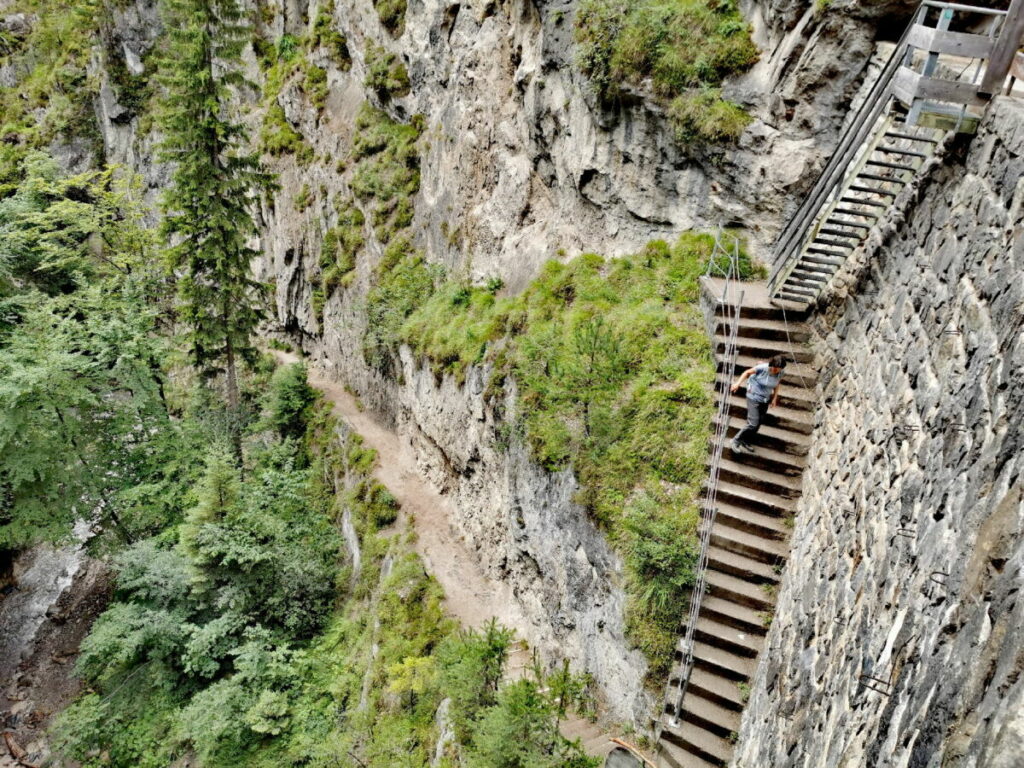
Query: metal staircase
{"x":937,"y":80}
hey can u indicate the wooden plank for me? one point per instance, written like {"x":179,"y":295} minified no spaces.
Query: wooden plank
{"x":943,"y":41}
{"x":1003,"y":52}
{"x":1017,"y":68}
{"x":909,"y":85}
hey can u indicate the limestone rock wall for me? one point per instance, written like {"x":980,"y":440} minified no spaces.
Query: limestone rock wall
{"x":908,"y":550}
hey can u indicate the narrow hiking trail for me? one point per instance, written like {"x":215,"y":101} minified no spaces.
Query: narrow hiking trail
{"x":470,"y":595}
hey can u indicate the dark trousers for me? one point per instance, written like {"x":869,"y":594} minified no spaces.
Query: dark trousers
{"x":755,"y":416}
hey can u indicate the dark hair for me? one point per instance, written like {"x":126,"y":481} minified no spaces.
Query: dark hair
{"x":779,"y":361}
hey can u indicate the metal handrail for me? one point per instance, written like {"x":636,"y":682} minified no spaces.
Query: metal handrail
{"x":789,"y":246}
{"x":731,"y":309}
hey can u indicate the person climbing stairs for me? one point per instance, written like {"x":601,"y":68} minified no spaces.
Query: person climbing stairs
{"x":756,"y":498}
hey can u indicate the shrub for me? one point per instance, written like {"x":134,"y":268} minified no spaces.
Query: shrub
{"x":703,"y":116}
{"x":392,"y":15}
{"x":277,"y":137}
{"x":385,"y":73}
{"x":683,"y":48}
{"x":325,"y":36}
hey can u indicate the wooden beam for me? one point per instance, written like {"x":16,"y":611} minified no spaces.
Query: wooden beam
{"x":1003,"y":52}
{"x":943,"y":41}
{"x":909,"y":85}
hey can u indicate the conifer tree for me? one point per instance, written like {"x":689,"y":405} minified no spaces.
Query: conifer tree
{"x":207,"y":209}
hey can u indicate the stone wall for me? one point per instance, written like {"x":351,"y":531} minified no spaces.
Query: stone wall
{"x":908,"y":549}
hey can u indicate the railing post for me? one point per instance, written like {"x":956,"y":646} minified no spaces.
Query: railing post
{"x":1010,"y":38}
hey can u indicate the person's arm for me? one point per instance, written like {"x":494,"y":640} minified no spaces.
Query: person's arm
{"x":743,"y":377}
{"x":775,"y":395}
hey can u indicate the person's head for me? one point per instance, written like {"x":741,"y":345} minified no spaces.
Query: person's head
{"x":777,"y":363}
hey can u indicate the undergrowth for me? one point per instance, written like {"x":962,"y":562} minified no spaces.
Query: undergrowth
{"x":681,"y":49}
{"x":53,"y":97}
{"x":613,"y":370}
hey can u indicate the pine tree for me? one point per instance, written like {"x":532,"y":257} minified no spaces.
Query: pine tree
{"x":207,"y":210}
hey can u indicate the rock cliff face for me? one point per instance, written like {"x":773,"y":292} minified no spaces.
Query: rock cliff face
{"x":897,"y":634}
{"x":517,"y":163}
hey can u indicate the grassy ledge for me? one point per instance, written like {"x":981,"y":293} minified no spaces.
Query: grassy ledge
{"x":678,"y":50}
{"x":613,"y":369}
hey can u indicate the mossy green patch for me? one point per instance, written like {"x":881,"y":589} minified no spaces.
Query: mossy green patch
{"x":683,"y":48}
{"x":385,"y":73}
{"x":614,"y":370}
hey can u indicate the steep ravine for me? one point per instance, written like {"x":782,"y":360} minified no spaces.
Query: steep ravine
{"x":518,"y":165}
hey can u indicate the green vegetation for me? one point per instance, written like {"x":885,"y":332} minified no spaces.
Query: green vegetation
{"x":52,"y":99}
{"x":613,"y":370}
{"x":342,"y":244}
{"x":207,"y":210}
{"x":385,"y":73}
{"x":684,"y":48}
{"x":84,"y":413}
{"x":386,"y":169}
{"x":314,"y":85}
{"x":325,"y":36}
{"x":277,"y":137}
{"x":392,"y":15}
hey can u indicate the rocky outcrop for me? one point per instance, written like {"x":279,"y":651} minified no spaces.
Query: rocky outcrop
{"x":897,"y":637}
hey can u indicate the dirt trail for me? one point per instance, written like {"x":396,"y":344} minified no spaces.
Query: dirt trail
{"x":470,"y":596}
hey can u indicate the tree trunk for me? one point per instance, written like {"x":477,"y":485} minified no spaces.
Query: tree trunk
{"x":234,"y":416}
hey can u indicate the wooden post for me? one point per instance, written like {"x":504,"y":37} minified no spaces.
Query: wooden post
{"x":1010,"y":37}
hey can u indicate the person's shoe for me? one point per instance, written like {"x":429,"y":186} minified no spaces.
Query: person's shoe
{"x":739,"y":447}
{"x":747,"y":448}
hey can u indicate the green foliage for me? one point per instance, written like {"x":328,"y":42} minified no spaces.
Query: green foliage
{"x":290,"y":401}
{"x":324,"y":35}
{"x":703,"y":116}
{"x":386,"y":172}
{"x":392,"y":15}
{"x":52,"y":98}
{"x":398,"y":292}
{"x":613,"y":370}
{"x":84,"y":423}
{"x":277,"y":137}
{"x":683,"y":48}
{"x":342,"y":244}
{"x":207,"y":210}
{"x":314,"y":85}
{"x":304,"y":199}
{"x":385,"y":73}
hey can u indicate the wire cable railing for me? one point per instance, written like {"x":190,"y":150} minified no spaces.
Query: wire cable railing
{"x":724,"y":264}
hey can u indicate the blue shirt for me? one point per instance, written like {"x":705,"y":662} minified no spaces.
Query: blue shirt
{"x":762,"y":384}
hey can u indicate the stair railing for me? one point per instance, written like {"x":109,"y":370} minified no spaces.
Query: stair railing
{"x":898,"y":78}
{"x":724,"y":263}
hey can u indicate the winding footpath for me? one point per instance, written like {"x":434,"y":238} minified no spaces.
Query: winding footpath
{"x":470,"y":596}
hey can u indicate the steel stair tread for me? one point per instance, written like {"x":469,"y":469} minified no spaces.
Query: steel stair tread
{"x":716,"y":685}
{"x":732,"y":516}
{"x":671,"y":755}
{"x":788,"y":484}
{"x":774,"y":548}
{"x":695,"y":737}
{"x":741,"y":566}
{"x":709,"y":714}
{"x":729,"y":610}
{"x":758,"y":498}
{"x":751,"y":642}
{"x":725,"y":582}
{"x":775,"y":346}
{"x":711,"y":656}
{"x":788,"y":436}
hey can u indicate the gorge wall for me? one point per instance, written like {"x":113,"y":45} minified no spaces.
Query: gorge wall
{"x":518,"y":165}
{"x":908,"y":550}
